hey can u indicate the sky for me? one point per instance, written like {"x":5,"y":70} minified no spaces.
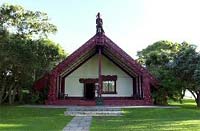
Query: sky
{"x":131,"y":24}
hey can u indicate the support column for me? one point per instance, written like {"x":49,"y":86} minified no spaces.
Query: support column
{"x":141,"y":81}
{"x":57,"y":87}
{"x":100,"y":73}
{"x":52,"y":89}
{"x":146,"y":90}
{"x":62,"y":90}
{"x":138,"y":86}
{"x":134,"y":87}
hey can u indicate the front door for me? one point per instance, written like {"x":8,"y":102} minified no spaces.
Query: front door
{"x":89,"y":91}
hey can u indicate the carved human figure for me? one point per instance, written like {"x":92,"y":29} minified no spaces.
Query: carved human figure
{"x":99,"y":24}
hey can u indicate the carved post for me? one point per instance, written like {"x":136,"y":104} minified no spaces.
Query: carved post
{"x":63,"y":87}
{"x":146,"y":90}
{"x":100,"y":73}
{"x":52,"y":96}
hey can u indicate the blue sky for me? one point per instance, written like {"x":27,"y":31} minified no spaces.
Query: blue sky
{"x":132,"y":24}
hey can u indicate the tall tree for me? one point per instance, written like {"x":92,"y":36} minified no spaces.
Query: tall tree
{"x":187,"y":69}
{"x":23,"y":62}
{"x":25,"y":51}
{"x":176,"y":66}
{"x":25,"y":23}
{"x":157,"y":58}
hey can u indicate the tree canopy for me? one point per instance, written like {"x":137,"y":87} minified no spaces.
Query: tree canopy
{"x":186,"y":68}
{"x":26,"y":53}
{"x":25,"y":23}
{"x":176,"y":66}
{"x":157,"y":59}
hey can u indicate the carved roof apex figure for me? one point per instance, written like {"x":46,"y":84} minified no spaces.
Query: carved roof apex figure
{"x":98,"y":14}
{"x":99,"y":24}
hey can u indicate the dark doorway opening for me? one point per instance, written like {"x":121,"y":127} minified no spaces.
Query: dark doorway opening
{"x":89,"y":91}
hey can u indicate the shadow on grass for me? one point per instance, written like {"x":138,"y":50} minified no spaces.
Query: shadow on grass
{"x":20,"y":118}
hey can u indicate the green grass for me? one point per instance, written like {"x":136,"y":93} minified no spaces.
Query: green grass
{"x":186,"y":103}
{"x":185,"y":118}
{"x":13,"y":118}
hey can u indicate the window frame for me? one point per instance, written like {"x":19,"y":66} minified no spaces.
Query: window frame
{"x":109,"y":92}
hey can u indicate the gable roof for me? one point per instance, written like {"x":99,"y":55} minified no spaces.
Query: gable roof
{"x":110,"y":50}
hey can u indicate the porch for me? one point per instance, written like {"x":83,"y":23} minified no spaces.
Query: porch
{"x":126,"y":101}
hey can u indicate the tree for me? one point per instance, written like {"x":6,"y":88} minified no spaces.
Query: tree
{"x":176,"y":66}
{"x":187,"y":69}
{"x":46,"y":55}
{"x":25,"y":23}
{"x":26,"y":53}
{"x":14,"y":68}
{"x":196,"y":89}
{"x":23,"y":62}
{"x":157,"y":58}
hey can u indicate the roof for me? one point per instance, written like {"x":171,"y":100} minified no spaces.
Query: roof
{"x":110,"y":50}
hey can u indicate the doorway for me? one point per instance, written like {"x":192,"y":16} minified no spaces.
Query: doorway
{"x":89,"y":91}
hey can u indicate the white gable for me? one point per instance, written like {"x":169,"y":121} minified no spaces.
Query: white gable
{"x":124,"y":83}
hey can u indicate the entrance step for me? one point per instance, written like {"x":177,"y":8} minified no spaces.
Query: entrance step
{"x":93,"y":111}
{"x":99,"y":101}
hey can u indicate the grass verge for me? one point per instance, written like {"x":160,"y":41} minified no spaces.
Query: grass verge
{"x":14,"y":118}
{"x":185,"y":118}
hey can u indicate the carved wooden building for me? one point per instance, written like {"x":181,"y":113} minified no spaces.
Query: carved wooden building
{"x":98,"y":70}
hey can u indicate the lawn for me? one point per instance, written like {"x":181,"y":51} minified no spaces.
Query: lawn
{"x":185,"y":118}
{"x":14,"y":118}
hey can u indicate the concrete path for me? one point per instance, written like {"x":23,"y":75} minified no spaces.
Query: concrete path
{"x":79,"y":123}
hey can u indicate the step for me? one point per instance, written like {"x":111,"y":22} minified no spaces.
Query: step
{"x":93,"y":113}
{"x":93,"y":109}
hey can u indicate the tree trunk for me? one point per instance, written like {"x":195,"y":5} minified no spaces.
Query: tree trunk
{"x":7,"y":92}
{"x":20,"y":95}
{"x":10,"y":97}
{"x":2,"y":93}
{"x":196,"y":95}
{"x":14,"y":94}
{"x":183,"y":93}
{"x":198,"y":100}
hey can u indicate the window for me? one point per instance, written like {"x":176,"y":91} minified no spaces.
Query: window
{"x":109,"y":87}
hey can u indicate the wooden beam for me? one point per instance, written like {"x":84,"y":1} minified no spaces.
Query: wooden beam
{"x":62,"y":86}
{"x":142,"y":95}
{"x":100,"y":72}
{"x":134,"y":86}
{"x":138,"y":86}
